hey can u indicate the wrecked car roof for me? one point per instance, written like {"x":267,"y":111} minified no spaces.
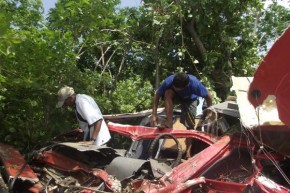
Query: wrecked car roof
{"x":141,"y":132}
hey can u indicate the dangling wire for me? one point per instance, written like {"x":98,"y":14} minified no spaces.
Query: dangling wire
{"x":259,"y":123}
{"x":244,"y":131}
{"x":263,"y":150}
{"x":270,"y":157}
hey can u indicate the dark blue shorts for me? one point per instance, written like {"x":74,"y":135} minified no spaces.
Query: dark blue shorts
{"x":188,"y":111}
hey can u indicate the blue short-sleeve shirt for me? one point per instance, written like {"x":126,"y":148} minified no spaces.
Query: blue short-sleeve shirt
{"x":192,"y":91}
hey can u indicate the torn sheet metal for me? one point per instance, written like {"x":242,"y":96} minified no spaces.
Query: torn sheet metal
{"x":159,"y":168}
{"x":272,"y":78}
{"x":142,"y":132}
{"x":131,"y":118}
{"x":61,"y":162}
{"x":124,"y":167}
{"x":267,"y":185}
{"x":188,"y":170}
{"x":222,"y":186}
{"x":13,"y":162}
{"x":83,"y":146}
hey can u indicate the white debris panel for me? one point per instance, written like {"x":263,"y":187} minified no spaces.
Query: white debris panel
{"x":265,"y":114}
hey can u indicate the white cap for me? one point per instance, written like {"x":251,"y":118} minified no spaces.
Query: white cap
{"x":63,"y":94}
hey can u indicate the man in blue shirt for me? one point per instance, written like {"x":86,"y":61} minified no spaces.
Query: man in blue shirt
{"x":183,"y":89}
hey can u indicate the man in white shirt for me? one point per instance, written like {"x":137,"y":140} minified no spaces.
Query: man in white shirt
{"x":88,"y":115}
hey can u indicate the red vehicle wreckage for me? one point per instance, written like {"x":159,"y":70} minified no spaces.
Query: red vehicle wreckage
{"x":242,"y":147}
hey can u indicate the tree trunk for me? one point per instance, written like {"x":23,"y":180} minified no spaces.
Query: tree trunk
{"x":157,"y":62}
{"x":195,"y":37}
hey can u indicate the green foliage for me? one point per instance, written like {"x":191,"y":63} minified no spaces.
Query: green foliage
{"x":24,"y":14}
{"x":273,"y":22}
{"x":132,"y":95}
{"x":84,"y":18}
{"x":31,"y":79}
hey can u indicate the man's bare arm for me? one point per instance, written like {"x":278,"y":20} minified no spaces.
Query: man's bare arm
{"x":97,"y":128}
{"x":208,"y":99}
{"x":168,"y":99}
{"x":155,"y":102}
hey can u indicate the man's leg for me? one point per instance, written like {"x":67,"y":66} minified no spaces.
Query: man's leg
{"x":168,"y":102}
{"x":188,"y":112}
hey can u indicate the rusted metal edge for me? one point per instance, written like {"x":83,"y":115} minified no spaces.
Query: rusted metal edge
{"x":14,"y":162}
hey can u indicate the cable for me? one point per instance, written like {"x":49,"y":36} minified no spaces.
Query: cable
{"x":11,"y":185}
